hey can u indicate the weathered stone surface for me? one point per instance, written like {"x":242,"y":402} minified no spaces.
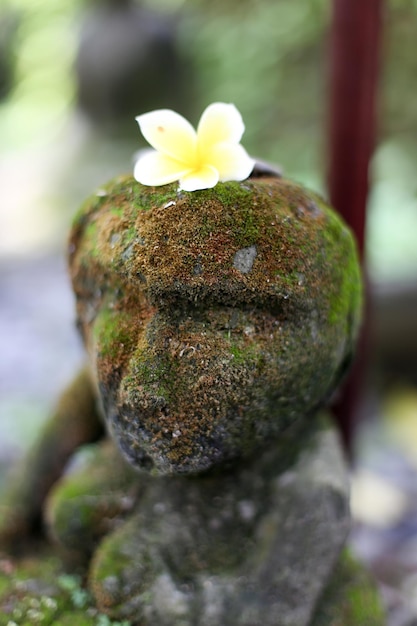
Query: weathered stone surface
{"x":214,"y":319}
{"x":237,"y":548}
{"x":36,"y":590}
{"x":216,"y":323}
{"x":98,"y":491}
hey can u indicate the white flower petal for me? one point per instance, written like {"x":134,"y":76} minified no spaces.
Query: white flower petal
{"x":231,"y":161}
{"x":219,"y":122}
{"x":154,"y":169}
{"x":169,"y":133}
{"x":203,"y":178}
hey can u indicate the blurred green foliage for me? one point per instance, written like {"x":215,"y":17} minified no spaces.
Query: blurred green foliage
{"x":269,"y":58}
{"x":43,"y":49}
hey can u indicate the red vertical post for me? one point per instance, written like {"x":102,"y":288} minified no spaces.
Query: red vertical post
{"x":354,"y":63}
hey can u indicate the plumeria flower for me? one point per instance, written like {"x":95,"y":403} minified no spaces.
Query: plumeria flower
{"x":199,"y":160}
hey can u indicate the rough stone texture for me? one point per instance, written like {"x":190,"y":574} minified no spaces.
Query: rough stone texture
{"x":37,"y":590}
{"x":213,"y":319}
{"x":237,"y":548}
{"x":256,"y":544}
{"x":216,"y":322}
{"x":244,"y":259}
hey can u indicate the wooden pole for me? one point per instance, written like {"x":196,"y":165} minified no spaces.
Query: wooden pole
{"x":354,"y":66}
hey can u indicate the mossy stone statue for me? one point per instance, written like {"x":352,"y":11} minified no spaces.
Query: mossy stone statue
{"x":214,"y":320}
{"x":216,"y":323}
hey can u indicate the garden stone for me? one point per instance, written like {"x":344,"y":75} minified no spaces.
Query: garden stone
{"x":199,"y":368}
{"x":240,"y":547}
{"x":216,"y":323}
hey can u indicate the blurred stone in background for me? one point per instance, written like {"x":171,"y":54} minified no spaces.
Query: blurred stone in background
{"x":128,"y":62}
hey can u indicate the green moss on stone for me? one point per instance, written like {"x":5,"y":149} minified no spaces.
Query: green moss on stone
{"x":92,"y":236}
{"x":236,"y":196}
{"x":35,"y":591}
{"x":129,"y":235}
{"x":118,"y":211}
{"x":351,"y":598}
{"x":246,"y":354}
{"x":156,"y":376}
{"x":154,"y":197}
{"x":349,"y":297}
{"x":167,"y":259}
{"x":112,"y":331}
{"x":91,"y":498}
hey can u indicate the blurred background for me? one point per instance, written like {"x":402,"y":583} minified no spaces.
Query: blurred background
{"x":74,"y":74}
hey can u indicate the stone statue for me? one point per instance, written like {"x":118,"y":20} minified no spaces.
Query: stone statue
{"x":129,"y":60}
{"x":216,"y":323}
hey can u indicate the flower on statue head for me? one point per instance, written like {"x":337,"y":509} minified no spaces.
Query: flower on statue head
{"x":198,"y":160}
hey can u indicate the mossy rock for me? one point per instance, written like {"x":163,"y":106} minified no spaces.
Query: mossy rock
{"x":257,"y":544}
{"x":216,"y":323}
{"x":36,"y":590}
{"x":214,"y":319}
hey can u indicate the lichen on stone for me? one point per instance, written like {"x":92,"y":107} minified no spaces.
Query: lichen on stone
{"x":213,"y":319}
{"x":216,"y":324}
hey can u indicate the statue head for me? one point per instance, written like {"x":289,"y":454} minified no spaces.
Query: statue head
{"x":214,"y":320}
